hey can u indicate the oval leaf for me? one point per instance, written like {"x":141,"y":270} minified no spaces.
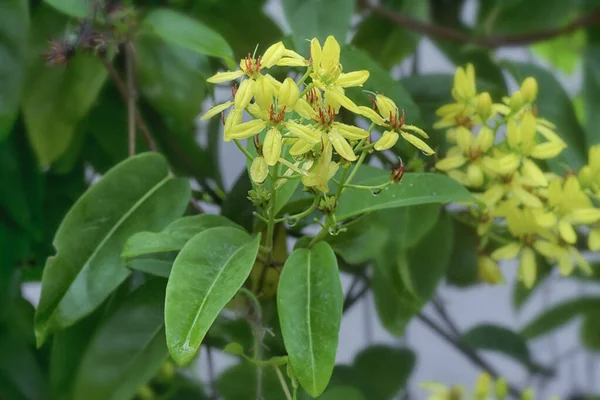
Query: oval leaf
{"x":138,"y":194}
{"x":500,"y":339}
{"x":115,"y":369}
{"x":207,"y":273}
{"x":309,"y":303}
{"x":174,"y":236}
{"x":415,"y":188}
{"x":187,"y":32}
{"x":342,"y":393}
{"x":73,"y":8}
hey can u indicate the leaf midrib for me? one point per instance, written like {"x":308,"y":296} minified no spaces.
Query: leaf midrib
{"x":308,"y":323}
{"x":109,"y":234}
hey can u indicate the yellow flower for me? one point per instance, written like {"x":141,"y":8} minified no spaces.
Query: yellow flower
{"x":489,"y":271}
{"x":327,"y":73}
{"x":522,"y":138}
{"x":566,"y":255}
{"x":321,"y":170}
{"x":483,"y":386}
{"x":589,"y":175}
{"x":389,"y":117}
{"x":439,"y":391}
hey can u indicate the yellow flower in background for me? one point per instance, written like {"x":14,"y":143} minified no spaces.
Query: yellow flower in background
{"x":390,"y":118}
{"x":439,"y":391}
{"x":522,"y":139}
{"x":589,"y":175}
{"x":488,"y":271}
{"x":327,"y":73}
{"x":321,"y":171}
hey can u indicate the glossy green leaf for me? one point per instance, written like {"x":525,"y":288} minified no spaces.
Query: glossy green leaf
{"x":555,"y":105}
{"x":14,"y":26}
{"x":20,"y":372}
{"x":379,"y":81}
{"x":342,"y":393}
{"x":138,"y":194}
{"x":317,"y":18}
{"x":174,"y":236}
{"x":239,"y":383}
{"x":52,"y":120}
{"x":591,"y":94}
{"x":462,"y":269}
{"x":207,"y":273}
{"x":515,"y":16}
{"x":408,"y":225}
{"x":170,"y":78}
{"x":559,"y":315}
{"x":309,"y":304}
{"x":361,"y":241}
{"x":152,"y":266}
{"x":128,"y":348}
{"x":187,"y":32}
{"x":73,"y":8}
{"x":415,"y":188}
{"x":498,"y":339}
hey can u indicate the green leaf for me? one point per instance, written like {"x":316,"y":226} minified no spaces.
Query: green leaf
{"x":559,"y":315}
{"x":415,"y":188}
{"x":379,"y":81}
{"x":362,"y":240}
{"x":174,"y":236}
{"x":236,"y":206}
{"x":555,"y":105}
{"x":342,"y":393}
{"x":381,"y":371}
{"x":152,"y":266}
{"x":189,"y":33}
{"x":138,"y":194}
{"x":207,"y":273}
{"x":386,"y":41}
{"x":317,"y":18}
{"x":235,"y":349}
{"x":239,"y":383}
{"x":563,"y":52}
{"x":127,"y":350}
{"x":73,"y":8}
{"x":170,"y":78}
{"x":408,"y":225}
{"x":309,"y":304}
{"x":462,"y":268}
{"x":515,"y":16}
{"x":14,"y":27}
{"x":589,"y":332}
{"x":498,"y":339}
{"x":591,"y":94}
{"x":20,"y":372}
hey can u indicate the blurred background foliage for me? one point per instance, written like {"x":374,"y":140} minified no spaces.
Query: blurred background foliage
{"x":62,"y":125}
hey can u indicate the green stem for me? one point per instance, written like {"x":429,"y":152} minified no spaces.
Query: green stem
{"x":272,"y":212}
{"x":301,"y":214}
{"x":306,"y":89}
{"x":492,"y":235}
{"x":375,"y":187}
{"x":257,"y":333}
{"x":361,"y":159}
{"x":319,"y":236}
{"x":284,"y":385}
{"x":292,"y":167}
{"x":306,"y":74}
{"x":341,"y":182}
{"x":243,"y":150}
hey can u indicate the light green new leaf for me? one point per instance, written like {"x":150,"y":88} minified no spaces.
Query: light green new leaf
{"x":379,"y":81}
{"x":309,"y":304}
{"x":318,"y":18}
{"x":207,"y":273}
{"x":415,"y":188}
{"x":591,"y":94}
{"x":555,"y":105}
{"x":559,"y":315}
{"x":174,"y":236}
{"x":14,"y":26}
{"x":56,"y":98}
{"x":138,"y":194}
{"x":73,"y":8}
{"x":187,"y":32}
{"x":127,"y":350}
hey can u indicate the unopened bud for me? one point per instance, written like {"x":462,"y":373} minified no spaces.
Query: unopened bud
{"x":516,"y":101}
{"x":386,"y":106}
{"x":501,"y":389}
{"x":529,"y":89}
{"x":327,"y":205}
{"x":288,"y":93}
{"x":166,"y":373}
{"x":528,"y":394}
{"x":259,"y":170}
{"x":484,"y":106}
{"x":483,"y":385}
{"x":260,"y":197}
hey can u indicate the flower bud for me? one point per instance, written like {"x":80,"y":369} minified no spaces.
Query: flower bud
{"x":272,"y":146}
{"x":482,"y":387}
{"x":488,"y":271}
{"x":386,"y":106}
{"x":244,"y":94}
{"x":501,"y":388}
{"x":485,"y":139}
{"x":387,"y":141}
{"x":259,"y":170}
{"x":272,"y":55}
{"x":529,"y":89}
{"x":516,"y":101}
{"x":288,"y":94}
{"x":260,"y":196}
{"x":528,"y":394}
{"x":484,"y":106}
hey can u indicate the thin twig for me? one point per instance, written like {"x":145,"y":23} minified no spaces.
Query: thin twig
{"x":351,"y":300}
{"x":284,"y":385}
{"x":493,"y":41}
{"x":211,"y":372}
{"x":131,"y":97}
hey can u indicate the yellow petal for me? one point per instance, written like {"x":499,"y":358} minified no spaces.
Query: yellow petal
{"x":272,"y":55}
{"x":352,"y":79}
{"x":508,"y":164}
{"x":529,"y":89}
{"x":341,"y":99}
{"x":351,"y":132}
{"x":246,"y":129}
{"x":259,"y":170}
{"x":488,"y":271}
{"x":484,"y":106}
{"x":485,"y":139}
{"x":370,"y":114}
{"x":585,"y":215}
{"x":594,"y":240}
{"x":290,"y":62}
{"x":301,"y":147}
{"x":330,"y":57}
{"x":218,"y":109}
{"x":533,"y":173}
{"x":450,"y":163}
{"x":475,"y":175}
{"x":341,"y":145}
{"x":550,"y":135}
{"x":545,"y":219}
{"x":272,"y":146}
{"x":513,"y":135}
{"x":387,"y":140}
{"x":525,"y":197}
{"x":292,"y":54}
{"x":244,"y":94}
{"x":547,"y":150}
{"x":233,"y":119}
{"x":547,"y":249}
{"x":263,"y":93}
{"x":304,"y":132}
{"x":416,"y":130}
{"x":565,"y":264}
{"x":582,"y":263}
{"x":305,"y":110}
{"x":386,"y":106}
{"x":315,"y":52}
{"x":493,"y":195}
{"x":464,"y":138}
{"x":528,"y":128}
{"x":288,"y":94}
{"x":527,"y":267}
{"x":566,"y":231}
{"x":507,"y":252}
{"x":225,"y":76}
{"x":418,"y":143}
{"x":458,"y":176}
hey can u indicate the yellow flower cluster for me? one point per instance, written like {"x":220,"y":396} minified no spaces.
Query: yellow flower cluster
{"x":299,"y":117}
{"x":497,"y":150}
